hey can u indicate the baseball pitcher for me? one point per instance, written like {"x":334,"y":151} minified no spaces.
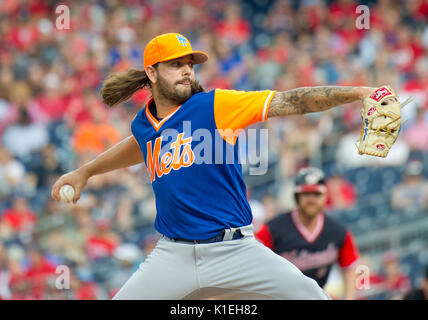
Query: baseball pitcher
{"x":207,"y":246}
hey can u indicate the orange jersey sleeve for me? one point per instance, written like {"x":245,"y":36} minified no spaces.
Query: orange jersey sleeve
{"x":236,"y":110}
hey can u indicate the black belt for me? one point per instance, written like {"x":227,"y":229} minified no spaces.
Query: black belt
{"x":237,"y":234}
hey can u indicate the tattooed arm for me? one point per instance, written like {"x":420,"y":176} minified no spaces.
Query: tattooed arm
{"x":314,"y":99}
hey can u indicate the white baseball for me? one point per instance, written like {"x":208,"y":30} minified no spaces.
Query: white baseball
{"x":66,"y":193}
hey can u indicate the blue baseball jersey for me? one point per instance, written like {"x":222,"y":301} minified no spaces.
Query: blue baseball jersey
{"x":192,"y":159}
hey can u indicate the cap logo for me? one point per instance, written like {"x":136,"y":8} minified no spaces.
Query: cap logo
{"x":311,"y":179}
{"x":182,"y":40}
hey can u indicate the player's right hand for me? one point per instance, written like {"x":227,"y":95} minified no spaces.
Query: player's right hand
{"x":77,"y":179}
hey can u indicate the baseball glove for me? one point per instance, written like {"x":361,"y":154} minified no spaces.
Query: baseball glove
{"x":381,"y":116}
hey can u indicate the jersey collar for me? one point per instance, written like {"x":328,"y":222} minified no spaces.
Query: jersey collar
{"x":156,"y":123}
{"x":307,"y":235}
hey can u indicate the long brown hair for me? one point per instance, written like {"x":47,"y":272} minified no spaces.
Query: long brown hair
{"x":120,"y":87}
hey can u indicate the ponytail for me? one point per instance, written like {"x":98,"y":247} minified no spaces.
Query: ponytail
{"x":120,"y":87}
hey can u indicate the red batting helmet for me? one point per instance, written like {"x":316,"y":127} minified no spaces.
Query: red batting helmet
{"x":309,"y":180}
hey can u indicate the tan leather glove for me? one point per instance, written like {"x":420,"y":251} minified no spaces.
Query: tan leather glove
{"x":381,"y":116}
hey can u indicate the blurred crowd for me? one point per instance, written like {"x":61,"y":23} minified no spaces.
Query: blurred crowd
{"x":52,"y":120}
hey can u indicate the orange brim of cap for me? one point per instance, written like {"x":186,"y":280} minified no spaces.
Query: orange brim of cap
{"x":198,"y":56}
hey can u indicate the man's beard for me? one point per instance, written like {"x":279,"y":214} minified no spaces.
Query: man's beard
{"x":176,"y":96}
{"x":310,"y":212}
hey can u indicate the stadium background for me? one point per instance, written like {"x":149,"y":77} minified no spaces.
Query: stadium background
{"x":52,"y":121}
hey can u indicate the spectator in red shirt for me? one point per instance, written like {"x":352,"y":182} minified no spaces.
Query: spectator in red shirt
{"x":341,"y":194}
{"x":39,"y":272}
{"x":340,"y":11}
{"x":417,"y":85}
{"x":234,"y":28}
{"x":103,"y":242}
{"x":84,"y":289}
{"x":20,"y":217}
{"x":24,"y":36}
{"x":52,"y":102}
{"x":418,"y":9}
{"x":407,"y":51}
{"x":394,"y":281}
{"x":19,"y":286}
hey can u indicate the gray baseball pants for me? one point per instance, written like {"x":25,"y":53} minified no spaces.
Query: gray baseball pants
{"x":231,"y":269}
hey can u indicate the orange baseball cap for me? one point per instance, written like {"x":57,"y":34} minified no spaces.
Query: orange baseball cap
{"x":169,"y":46}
